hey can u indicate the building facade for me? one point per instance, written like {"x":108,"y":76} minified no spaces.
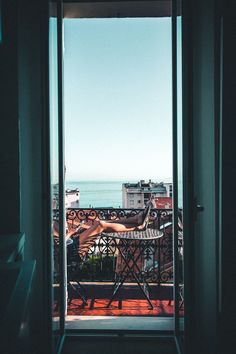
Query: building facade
{"x":136,"y":195}
{"x":72,"y":197}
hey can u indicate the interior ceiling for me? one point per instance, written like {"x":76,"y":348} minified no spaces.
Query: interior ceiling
{"x":107,"y":9}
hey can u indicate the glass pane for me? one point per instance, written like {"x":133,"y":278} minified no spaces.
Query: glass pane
{"x":54,"y":160}
{"x":118,"y":148}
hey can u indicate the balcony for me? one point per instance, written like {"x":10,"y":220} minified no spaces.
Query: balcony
{"x":104,"y":264}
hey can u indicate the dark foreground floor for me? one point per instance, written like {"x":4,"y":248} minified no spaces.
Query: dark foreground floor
{"x":138,"y":345}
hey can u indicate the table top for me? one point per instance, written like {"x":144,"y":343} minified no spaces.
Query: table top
{"x":148,"y":234}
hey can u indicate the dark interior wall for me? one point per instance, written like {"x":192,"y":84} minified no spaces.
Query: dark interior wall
{"x":9,"y":129}
{"x":228,"y":178}
{"x":32,"y":75}
{"x":23,"y":143}
{"x":30,"y":118}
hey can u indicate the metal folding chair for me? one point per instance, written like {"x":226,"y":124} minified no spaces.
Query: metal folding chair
{"x":74,"y":288}
{"x":74,"y":264}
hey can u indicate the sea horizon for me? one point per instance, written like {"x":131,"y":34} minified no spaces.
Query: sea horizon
{"x":126,"y":180}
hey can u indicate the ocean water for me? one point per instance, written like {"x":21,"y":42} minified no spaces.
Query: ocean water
{"x":98,"y":193}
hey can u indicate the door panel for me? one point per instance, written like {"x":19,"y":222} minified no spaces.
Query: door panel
{"x":57,"y":172}
{"x":180,"y":307}
{"x":200,"y":223}
{"x":178,"y":183}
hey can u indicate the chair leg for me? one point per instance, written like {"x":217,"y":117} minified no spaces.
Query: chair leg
{"x":78,"y":289}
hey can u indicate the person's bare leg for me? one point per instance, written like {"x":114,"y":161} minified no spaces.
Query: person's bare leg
{"x":87,"y":239}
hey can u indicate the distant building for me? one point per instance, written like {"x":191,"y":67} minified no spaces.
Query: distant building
{"x":136,"y":195}
{"x":55,"y":196}
{"x":164,"y":202}
{"x":72,"y":197}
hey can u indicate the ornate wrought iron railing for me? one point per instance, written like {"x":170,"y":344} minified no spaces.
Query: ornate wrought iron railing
{"x":103,"y":261}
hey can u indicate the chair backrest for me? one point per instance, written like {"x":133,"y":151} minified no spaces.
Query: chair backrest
{"x":146,"y":215}
{"x":74,"y":261}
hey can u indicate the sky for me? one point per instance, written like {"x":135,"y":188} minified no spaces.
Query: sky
{"x":118,"y":99}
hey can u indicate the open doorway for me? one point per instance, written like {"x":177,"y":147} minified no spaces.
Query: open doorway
{"x":118,"y":153}
{"x":118,"y":150}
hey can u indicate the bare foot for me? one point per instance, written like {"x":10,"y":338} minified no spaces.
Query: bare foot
{"x":140,"y":227}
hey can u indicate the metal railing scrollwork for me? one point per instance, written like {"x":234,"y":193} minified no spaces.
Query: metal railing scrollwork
{"x":103,"y":261}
